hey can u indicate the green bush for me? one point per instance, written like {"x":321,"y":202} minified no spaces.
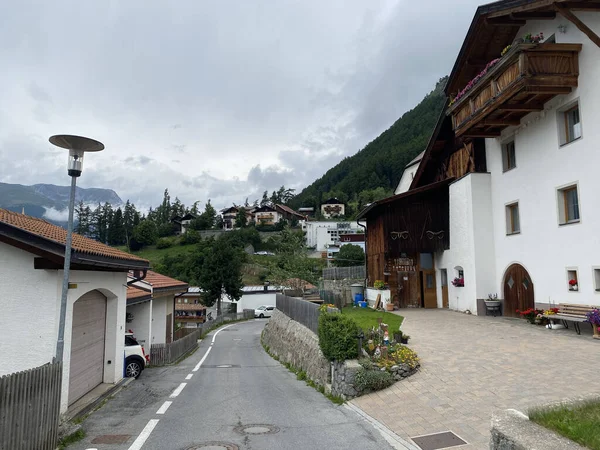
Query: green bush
{"x":190,"y":237}
{"x":164,"y":243}
{"x":372,"y":379}
{"x":338,"y":336}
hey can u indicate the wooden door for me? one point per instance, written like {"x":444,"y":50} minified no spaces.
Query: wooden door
{"x":444,"y":280}
{"x":428,"y":288}
{"x":518,"y":290}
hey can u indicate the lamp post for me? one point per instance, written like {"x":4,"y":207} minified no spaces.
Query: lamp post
{"x":77,"y":146}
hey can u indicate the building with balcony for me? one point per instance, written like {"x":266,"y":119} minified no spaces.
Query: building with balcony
{"x":502,"y":199}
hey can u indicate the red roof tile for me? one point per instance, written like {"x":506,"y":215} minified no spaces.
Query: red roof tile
{"x":54,"y":233}
{"x":134,"y":292}
{"x":159,"y":281}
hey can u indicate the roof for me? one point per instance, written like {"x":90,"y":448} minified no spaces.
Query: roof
{"x":332,"y":201}
{"x":417,"y":159}
{"x":43,"y":231}
{"x":137,"y":295}
{"x":265,"y":208}
{"x":260,"y":288}
{"x":416,"y":191}
{"x":161,"y":282}
{"x":229,"y":210}
{"x":306,"y":208}
{"x":289,"y":210}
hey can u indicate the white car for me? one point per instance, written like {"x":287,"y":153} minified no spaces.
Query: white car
{"x":135,"y":357}
{"x":263,"y":311}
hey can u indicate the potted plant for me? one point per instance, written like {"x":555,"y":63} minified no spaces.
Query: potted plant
{"x":593,"y":317}
{"x":458,"y":282}
{"x":379,"y":284}
{"x":530,"y":314}
{"x":573,"y":285}
{"x":492,"y":301}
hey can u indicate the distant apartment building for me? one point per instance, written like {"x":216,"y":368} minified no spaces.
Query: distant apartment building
{"x":321,"y":235}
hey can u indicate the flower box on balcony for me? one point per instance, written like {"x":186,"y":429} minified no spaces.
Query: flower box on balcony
{"x":520,"y":82}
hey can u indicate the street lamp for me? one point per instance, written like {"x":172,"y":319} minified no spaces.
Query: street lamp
{"x":77,"y":146}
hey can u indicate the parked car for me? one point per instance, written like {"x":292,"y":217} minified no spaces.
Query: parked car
{"x":135,"y":357}
{"x":263,"y":311}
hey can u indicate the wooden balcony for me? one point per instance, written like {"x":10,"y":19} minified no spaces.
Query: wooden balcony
{"x":522,"y":81}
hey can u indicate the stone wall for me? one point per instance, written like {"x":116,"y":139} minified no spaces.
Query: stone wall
{"x":295,"y":344}
{"x":512,"y":430}
{"x":341,"y":288}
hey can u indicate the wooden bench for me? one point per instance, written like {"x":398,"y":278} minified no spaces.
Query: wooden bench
{"x":568,"y":312}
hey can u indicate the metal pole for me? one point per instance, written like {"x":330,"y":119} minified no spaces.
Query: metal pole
{"x":60,"y":344}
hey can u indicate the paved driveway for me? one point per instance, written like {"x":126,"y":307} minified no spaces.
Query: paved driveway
{"x":471,"y":366}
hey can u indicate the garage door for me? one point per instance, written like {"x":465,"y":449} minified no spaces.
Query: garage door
{"x":87,"y":344}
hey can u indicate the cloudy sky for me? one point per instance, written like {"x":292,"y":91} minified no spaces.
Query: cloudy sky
{"x":212,"y":99}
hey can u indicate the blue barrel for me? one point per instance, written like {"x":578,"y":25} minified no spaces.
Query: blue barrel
{"x":357,"y":299}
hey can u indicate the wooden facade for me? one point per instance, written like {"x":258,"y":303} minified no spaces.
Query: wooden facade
{"x":403,"y":232}
{"x":522,"y":81}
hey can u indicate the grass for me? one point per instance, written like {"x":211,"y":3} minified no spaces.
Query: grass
{"x":579,"y":422}
{"x":366,"y":318}
{"x":71,"y":439}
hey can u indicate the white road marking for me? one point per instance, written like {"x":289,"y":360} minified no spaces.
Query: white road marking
{"x":164,"y":407}
{"x":195,"y":369}
{"x":189,"y":377}
{"x":177,"y":391}
{"x":144,"y":435}
{"x":218,"y":331}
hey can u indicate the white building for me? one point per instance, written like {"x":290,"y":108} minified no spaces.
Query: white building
{"x":409,"y":174}
{"x":252,"y":298}
{"x":31,"y":263}
{"x":320,"y":235}
{"x":504,"y":195}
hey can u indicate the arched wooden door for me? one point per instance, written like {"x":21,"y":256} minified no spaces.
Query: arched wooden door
{"x":518,"y":290}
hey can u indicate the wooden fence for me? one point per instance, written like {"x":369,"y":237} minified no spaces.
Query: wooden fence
{"x":342,"y":273}
{"x":30,"y":408}
{"x":300,"y":310}
{"x":162,"y":354}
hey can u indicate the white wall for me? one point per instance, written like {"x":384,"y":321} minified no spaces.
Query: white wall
{"x":31,"y":306}
{"x":406,"y":179}
{"x":142,"y":323}
{"x":543,"y":247}
{"x":160,"y":309}
{"x":250,"y":301}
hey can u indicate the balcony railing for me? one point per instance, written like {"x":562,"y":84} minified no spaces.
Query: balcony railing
{"x":525,"y":78}
{"x":190,"y":318}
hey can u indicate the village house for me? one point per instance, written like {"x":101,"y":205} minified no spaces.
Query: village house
{"x":152,"y":320}
{"x":503,"y":198}
{"x":182,"y":223}
{"x":189,"y":310}
{"x":332,"y":207}
{"x":31,"y":273}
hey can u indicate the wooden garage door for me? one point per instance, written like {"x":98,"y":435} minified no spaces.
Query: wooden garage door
{"x":87,"y":344}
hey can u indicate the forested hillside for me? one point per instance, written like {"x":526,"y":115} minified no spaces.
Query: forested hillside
{"x":376,"y":169}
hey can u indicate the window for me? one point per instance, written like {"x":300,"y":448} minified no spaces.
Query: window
{"x":513,"y":225}
{"x":568,"y":205}
{"x":508,"y":156}
{"x":572,"y":279}
{"x":569,"y":124}
{"x":185,"y":300}
{"x":596,"y":279}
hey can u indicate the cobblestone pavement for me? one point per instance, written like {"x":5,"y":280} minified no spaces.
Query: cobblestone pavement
{"x":471,"y":366}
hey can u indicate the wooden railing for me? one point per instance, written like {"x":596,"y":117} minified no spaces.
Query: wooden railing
{"x":30,"y":408}
{"x":545,"y":69}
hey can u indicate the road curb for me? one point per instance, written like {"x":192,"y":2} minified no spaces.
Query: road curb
{"x":392,"y":438}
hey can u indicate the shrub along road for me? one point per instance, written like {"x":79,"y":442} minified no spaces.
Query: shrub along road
{"x":228,"y":384}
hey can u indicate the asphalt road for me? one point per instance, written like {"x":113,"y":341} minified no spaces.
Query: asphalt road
{"x":238,"y":395}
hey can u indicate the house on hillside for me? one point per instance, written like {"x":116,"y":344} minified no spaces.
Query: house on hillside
{"x":266,"y":215}
{"x":31,"y":272}
{"x":182,"y":223}
{"x":229,"y":215}
{"x":333,"y":207}
{"x":503,"y":197}
{"x":153,"y":320}
{"x":409,"y":174}
{"x":189,"y":310}
{"x":289,"y":215}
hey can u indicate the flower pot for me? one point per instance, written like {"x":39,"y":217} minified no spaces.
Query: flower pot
{"x":389,"y":307}
{"x":404,"y":340}
{"x":596,"y":331}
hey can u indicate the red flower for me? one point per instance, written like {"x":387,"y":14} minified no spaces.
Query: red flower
{"x":572,"y":282}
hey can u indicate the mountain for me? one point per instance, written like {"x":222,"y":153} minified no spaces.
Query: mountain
{"x":381,"y":163}
{"x":40,"y":198}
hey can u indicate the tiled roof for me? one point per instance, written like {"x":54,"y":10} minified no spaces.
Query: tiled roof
{"x":289,"y":210}
{"x":159,"y":281}
{"x":134,"y":292}
{"x":54,"y":233}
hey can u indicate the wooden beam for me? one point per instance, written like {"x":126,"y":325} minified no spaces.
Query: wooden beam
{"x":556,"y":90}
{"x":521,"y":107}
{"x":527,"y":7}
{"x":500,"y":122}
{"x":481,"y":134}
{"x":582,"y":6}
{"x":506,"y":20}
{"x":567,"y":14}
{"x":534,"y":15}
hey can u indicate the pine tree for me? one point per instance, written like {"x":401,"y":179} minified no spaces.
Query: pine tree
{"x":265,"y":199}
{"x":116,"y":230}
{"x":83,"y":219}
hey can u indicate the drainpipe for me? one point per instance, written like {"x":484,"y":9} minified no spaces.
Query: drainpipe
{"x":137,"y":276}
